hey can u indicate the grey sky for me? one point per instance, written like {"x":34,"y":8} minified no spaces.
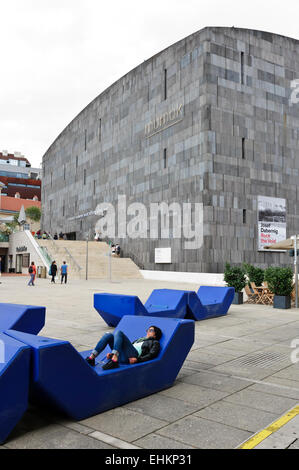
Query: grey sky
{"x":58,"y":55}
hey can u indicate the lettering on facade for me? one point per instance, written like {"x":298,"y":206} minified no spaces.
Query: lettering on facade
{"x":164,"y":121}
{"x":21,"y":248}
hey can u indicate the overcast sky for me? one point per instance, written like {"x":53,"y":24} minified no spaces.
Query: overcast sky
{"x":58,"y":55}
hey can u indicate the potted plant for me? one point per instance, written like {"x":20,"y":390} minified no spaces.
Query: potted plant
{"x":254,"y":274}
{"x":280,"y":283}
{"x":234,"y":276}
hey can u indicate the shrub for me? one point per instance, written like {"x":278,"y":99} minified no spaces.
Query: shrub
{"x":254,"y":274}
{"x":235,"y":277}
{"x":34,"y":213}
{"x":280,"y":280}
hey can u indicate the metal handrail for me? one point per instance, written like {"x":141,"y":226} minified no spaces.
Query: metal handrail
{"x":56,"y":246}
{"x":46,"y":254}
{"x":73,"y":259}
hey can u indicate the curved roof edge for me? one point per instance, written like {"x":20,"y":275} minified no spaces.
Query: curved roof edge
{"x":161,"y":52}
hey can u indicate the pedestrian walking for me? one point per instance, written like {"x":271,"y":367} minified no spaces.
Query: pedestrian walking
{"x":53,"y":271}
{"x":32,"y":273}
{"x":63,"y":270}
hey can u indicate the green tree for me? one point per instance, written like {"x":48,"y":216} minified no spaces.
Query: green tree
{"x":34,"y":213}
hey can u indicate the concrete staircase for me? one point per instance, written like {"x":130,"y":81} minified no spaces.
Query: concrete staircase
{"x":74,"y":253}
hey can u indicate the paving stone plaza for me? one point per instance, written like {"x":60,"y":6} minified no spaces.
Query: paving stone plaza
{"x":236,"y":381}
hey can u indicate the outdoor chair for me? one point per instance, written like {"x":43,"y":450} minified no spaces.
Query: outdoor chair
{"x":251,"y":296}
{"x":208,"y":302}
{"x":26,"y":318}
{"x":257,"y":292}
{"x":62,"y":378}
{"x":268,"y":295}
{"x":14,"y":383}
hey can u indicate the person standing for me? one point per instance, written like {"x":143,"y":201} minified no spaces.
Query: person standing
{"x":32,"y":272}
{"x":63,"y":270}
{"x":53,"y":271}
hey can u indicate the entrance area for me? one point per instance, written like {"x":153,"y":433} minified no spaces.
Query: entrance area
{"x":3,"y":260}
{"x":19,"y":264}
{"x":71,"y":236}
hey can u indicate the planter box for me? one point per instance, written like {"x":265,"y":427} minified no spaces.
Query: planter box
{"x":281,"y":301}
{"x":238,"y":298}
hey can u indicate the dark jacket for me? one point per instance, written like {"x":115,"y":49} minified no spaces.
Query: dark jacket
{"x":53,"y":269}
{"x":149,"y":349}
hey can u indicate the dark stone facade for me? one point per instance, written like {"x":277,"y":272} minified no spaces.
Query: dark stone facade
{"x":235,"y":137}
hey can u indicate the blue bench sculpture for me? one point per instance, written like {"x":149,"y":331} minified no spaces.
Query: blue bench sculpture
{"x":207,"y":303}
{"x":61,"y":377}
{"x":26,"y":318}
{"x":14,"y":383}
{"x":216,"y":300}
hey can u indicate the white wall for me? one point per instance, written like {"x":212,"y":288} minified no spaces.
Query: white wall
{"x":24,"y":238}
{"x":208,"y":279}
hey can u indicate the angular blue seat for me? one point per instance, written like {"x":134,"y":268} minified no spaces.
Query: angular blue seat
{"x":112,"y":307}
{"x":26,"y":318}
{"x":209,"y":302}
{"x":161,"y":303}
{"x":167,"y":303}
{"x":61,"y":376}
{"x":14,"y":383}
{"x":216,"y":300}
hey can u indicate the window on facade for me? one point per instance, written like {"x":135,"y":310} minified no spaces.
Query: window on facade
{"x":165,"y":84}
{"x":77,"y":159}
{"x":243,"y":148}
{"x":242,"y":68}
{"x":63,"y":210}
{"x":51,"y":179}
{"x":244,"y":216}
{"x":64,"y":172}
{"x":165,"y":158}
{"x":84,"y":177}
{"x":94,"y":187}
{"x":85,"y":140}
{"x":25,"y":258}
{"x":100,"y":130}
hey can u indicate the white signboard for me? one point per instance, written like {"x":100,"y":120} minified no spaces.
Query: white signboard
{"x":162,"y":255}
{"x":271,"y":221}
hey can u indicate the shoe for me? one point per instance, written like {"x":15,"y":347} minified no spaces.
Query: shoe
{"x":90,"y":361}
{"x":110,"y":365}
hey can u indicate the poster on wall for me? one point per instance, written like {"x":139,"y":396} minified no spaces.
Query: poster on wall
{"x":271,"y":221}
{"x":162,"y":255}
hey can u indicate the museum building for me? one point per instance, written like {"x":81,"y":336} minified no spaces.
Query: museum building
{"x":211,"y":120}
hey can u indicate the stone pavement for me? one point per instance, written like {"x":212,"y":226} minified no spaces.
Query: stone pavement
{"x":237,"y":379}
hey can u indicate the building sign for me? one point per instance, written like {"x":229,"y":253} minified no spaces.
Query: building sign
{"x":21,"y":248}
{"x":271,"y":221}
{"x":162,"y":255}
{"x":164,"y":121}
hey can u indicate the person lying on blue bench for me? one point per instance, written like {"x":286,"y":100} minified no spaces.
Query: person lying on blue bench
{"x":123,"y":351}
